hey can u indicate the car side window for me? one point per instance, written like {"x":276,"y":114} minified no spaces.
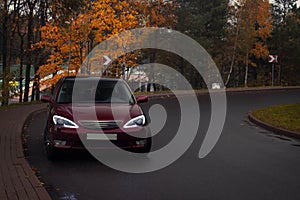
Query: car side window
{"x":65,"y":92}
{"x":55,"y":90}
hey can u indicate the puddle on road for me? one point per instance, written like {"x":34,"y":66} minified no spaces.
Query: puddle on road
{"x":281,"y":138}
{"x":59,"y":194}
{"x":67,"y":196}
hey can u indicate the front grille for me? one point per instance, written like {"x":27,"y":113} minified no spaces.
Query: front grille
{"x":104,"y":125}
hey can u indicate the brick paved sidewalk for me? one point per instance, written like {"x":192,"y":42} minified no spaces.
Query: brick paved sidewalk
{"x":17,"y":180}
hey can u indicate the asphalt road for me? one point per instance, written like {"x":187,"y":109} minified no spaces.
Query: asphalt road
{"x":247,"y":163}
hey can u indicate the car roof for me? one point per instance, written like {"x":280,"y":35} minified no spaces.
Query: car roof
{"x":91,"y":78}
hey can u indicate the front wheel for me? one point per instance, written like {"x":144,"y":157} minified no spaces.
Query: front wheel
{"x":51,"y":152}
{"x":147,"y":147}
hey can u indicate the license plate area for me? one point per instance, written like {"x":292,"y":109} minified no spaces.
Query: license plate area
{"x":101,"y":136}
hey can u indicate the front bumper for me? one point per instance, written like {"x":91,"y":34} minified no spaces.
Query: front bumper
{"x":60,"y":137}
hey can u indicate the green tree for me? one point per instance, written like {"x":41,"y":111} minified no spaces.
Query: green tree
{"x":205,"y":22}
{"x":285,"y":41}
{"x":8,"y":21}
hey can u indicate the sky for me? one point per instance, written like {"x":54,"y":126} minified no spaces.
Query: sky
{"x":298,"y":2}
{"x":272,"y":1}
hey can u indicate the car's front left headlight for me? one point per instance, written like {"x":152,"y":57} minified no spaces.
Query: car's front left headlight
{"x":136,"y":122}
{"x":64,"y":122}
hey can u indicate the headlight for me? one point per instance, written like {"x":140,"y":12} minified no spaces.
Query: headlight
{"x":135,"y":122}
{"x":61,"y":121}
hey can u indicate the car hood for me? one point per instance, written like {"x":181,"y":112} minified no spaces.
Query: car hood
{"x":98,"y":112}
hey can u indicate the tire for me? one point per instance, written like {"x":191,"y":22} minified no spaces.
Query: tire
{"x":51,"y":152}
{"x":147,"y":147}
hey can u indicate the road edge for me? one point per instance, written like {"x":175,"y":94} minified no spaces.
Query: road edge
{"x":40,"y":189}
{"x":33,"y":179}
{"x":274,"y":129}
{"x":169,"y":94}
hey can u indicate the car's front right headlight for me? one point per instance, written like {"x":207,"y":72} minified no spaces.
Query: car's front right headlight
{"x":64,"y":122}
{"x":136,"y":122}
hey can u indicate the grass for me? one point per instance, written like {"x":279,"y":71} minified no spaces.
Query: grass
{"x":284,"y":116}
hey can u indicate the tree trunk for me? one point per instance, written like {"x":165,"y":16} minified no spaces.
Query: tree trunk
{"x":233,"y":57}
{"x":246,"y":70}
{"x":33,"y":89}
{"x":29,"y":61}
{"x":21,"y":67}
{"x":27,"y":82}
{"x":5,"y":83}
{"x":42,"y":13}
{"x":279,"y":75}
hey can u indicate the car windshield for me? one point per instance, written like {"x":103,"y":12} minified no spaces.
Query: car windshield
{"x":94,"y":91}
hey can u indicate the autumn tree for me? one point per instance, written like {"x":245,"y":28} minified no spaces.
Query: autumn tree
{"x":156,"y":13}
{"x":69,"y":44}
{"x":252,"y":26}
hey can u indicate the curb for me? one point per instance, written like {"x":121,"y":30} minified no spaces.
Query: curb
{"x":35,"y":182}
{"x":277,"y":130}
{"x":206,"y":92}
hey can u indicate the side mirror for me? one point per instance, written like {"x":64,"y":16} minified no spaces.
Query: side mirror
{"x":142,"y":99}
{"x":46,"y":98}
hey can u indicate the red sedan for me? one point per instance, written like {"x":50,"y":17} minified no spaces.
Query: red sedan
{"x":87,"y":112}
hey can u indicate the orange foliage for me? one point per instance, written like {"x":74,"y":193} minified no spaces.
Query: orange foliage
{"x":264,"y":22}
{"x":103,"y":19}
{"x":255,"y":24}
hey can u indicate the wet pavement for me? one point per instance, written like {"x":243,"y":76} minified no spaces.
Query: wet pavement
{"x":248,"y":162}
